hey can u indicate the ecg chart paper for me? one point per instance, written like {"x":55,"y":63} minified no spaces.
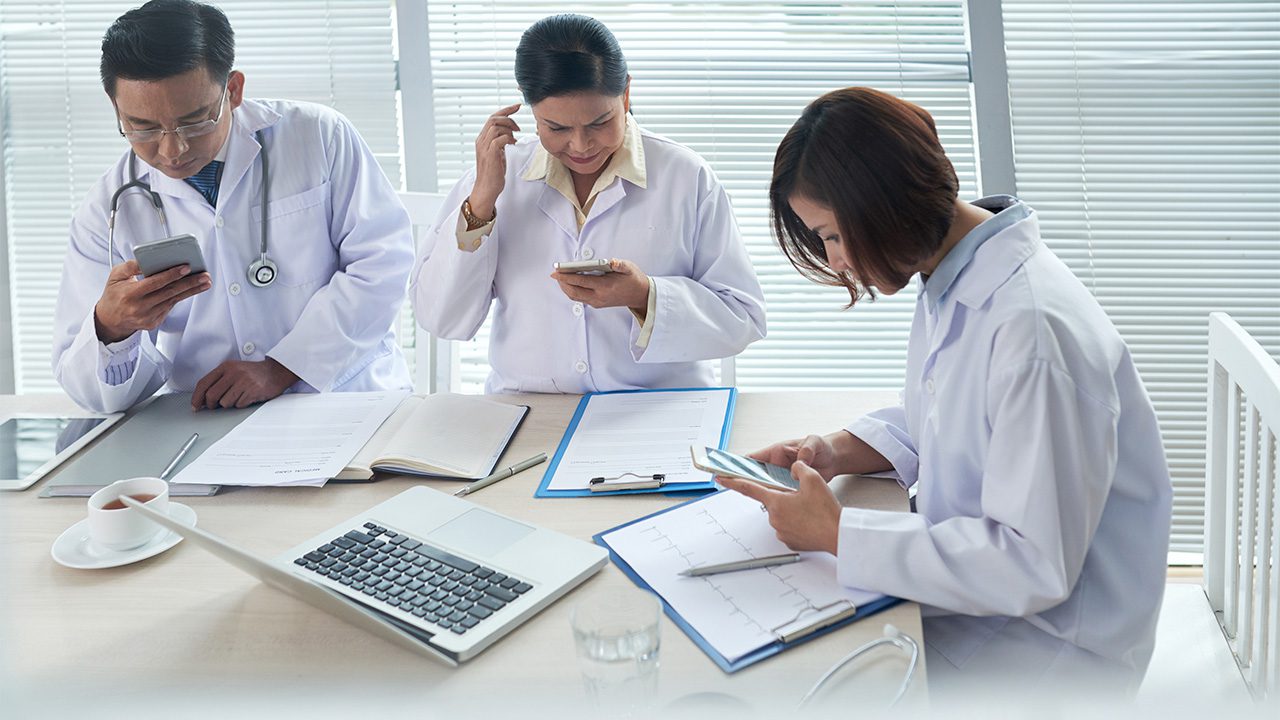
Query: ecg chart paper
{"x":735,"y":612}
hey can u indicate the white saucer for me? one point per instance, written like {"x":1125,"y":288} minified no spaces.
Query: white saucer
{"x":74,"y":549}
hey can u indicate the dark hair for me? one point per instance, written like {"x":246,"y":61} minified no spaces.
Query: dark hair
{"x":566,"y":54}
{"x":165,"y":38}
{"x":876,"y":161}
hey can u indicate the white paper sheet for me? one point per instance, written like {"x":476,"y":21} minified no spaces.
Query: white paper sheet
{"x":735,"y":612}
{"x":296,"y":439}
{"x":642,"y":433}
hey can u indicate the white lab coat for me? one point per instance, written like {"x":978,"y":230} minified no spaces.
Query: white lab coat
{"x":336,"y":230}
{"x":1043,"y":497}
{"x":680,"y":231}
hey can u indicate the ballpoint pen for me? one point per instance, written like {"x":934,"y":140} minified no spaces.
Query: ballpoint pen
{"x":178,"y":458}
{"x":501,"y":475}
{"x":748,"y":564}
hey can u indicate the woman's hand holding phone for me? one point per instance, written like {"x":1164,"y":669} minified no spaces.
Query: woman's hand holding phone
{"x":625,"y":286}
{"x":815,"y":451}
{"x":807,"y":519}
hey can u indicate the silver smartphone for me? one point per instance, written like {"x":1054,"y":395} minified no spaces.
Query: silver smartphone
{"x":720,"y":462}
{"x":160,"y":255}
{"x":585,"y":267}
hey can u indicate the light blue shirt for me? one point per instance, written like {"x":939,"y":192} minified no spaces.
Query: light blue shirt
{"x":1008,"y":210}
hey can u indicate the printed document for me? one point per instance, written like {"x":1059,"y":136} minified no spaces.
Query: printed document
{"x":642,"y":433}
{"x":295,"y":439}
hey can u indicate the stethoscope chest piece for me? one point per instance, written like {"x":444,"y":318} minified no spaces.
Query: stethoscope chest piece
{"x":262,"y":272}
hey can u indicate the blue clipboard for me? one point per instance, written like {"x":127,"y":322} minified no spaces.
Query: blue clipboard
{"x":669,"y":488}
{"x":755,"y":656}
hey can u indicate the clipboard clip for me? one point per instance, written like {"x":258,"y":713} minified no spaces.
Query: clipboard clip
{"x":616,"y":483}
{"x":809,"y":621}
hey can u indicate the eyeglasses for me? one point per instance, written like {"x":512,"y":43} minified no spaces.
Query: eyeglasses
{"x":184,"y":132}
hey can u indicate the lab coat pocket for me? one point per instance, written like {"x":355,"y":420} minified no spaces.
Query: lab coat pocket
{"x":298,"y":237}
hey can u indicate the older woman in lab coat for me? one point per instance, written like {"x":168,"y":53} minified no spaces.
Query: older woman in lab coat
{"x":1040,"y":540}
{"x":592,"y":185}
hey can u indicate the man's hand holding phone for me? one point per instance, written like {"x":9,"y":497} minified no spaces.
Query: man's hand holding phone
{"x":129,"y":304}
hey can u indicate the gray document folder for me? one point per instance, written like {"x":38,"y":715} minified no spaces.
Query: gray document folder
{"x":143,"y":444}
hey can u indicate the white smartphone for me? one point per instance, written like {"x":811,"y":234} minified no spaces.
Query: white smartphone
{"x":585,"y":267}
{"x":160,"y":255}
{"x":720,"y":462}
{"x":32,"y":444}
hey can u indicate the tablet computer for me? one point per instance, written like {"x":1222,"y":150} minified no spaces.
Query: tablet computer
{"x":32,"y":444}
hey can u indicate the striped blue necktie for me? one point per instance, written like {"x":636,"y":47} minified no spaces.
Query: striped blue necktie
{"x":206,"y":181}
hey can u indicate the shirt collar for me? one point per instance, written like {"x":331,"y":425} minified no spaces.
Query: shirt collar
{"x":1008,"y":211}
{"x":627,"y":162}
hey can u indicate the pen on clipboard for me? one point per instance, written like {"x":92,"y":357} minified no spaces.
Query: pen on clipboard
{"x":501,"y":475}
{"x":182,"y":452}
{"x":748,"y":564}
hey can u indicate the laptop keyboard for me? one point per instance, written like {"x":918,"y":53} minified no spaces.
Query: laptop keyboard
{"x":414,"y":578}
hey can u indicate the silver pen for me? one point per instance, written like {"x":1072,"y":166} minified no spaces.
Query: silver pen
{"x":736,"y":565}
{"x":181,"y":453}
{"x":501,"y":475}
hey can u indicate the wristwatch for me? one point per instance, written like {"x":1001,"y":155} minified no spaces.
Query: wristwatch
{"x":474,"y":222}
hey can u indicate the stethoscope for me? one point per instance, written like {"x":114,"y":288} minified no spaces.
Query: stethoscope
{"x":262,"y":272}
{"x":892,"y":636}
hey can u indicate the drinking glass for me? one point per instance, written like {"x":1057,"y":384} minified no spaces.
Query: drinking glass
{"x":616,"y":633}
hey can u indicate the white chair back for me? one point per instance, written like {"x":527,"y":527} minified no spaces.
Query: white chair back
{"x":433,"y":364}
{"x":1242,"y":537}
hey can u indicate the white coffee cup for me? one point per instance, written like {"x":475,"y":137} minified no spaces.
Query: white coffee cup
{"x":113,"y":525}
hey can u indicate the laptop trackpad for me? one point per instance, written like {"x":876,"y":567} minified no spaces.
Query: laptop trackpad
{"x":477,"y":532}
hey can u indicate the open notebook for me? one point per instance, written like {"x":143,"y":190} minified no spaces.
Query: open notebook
{"x":441,"y":435}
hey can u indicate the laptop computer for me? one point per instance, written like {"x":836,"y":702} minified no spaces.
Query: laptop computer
{"x":435,"y":574}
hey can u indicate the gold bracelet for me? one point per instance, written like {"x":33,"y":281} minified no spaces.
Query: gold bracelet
{"x":473,"y":222}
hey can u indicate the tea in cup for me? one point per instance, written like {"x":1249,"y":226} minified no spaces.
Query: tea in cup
{"x":115,"y":526}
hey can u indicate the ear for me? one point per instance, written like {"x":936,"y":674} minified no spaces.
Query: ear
{"x":626,"y":96}
{"x":235,"y":88}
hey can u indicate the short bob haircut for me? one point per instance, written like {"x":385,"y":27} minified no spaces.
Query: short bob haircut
{"x":165,"y":38}
{"x":877,"y":163}
{"x":567,"y":54}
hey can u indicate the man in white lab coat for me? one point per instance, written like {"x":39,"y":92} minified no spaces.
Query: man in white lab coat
{"x":309,"y":308}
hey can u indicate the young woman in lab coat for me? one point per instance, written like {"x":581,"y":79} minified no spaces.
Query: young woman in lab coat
{"x":591,"y":185}
{"x":1039,"y":543}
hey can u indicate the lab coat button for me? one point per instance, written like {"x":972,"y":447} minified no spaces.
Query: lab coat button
{"x":577,"y":309}
{"x":580,"y":366}
{"x":234,"y":289}
{"x":218,"y":221}
{"x":588,"y":253}
{"x":928,"y":386}
{"x":249,"y":348}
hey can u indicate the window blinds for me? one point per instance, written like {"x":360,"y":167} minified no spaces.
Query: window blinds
{"x":60,"y":135}
{"x":728,"y":79}
{"x":1147,"y":135}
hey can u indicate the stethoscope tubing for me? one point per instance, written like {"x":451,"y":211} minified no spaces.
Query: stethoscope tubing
{"x":261,"y":268}
{"x":893,"y":637}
